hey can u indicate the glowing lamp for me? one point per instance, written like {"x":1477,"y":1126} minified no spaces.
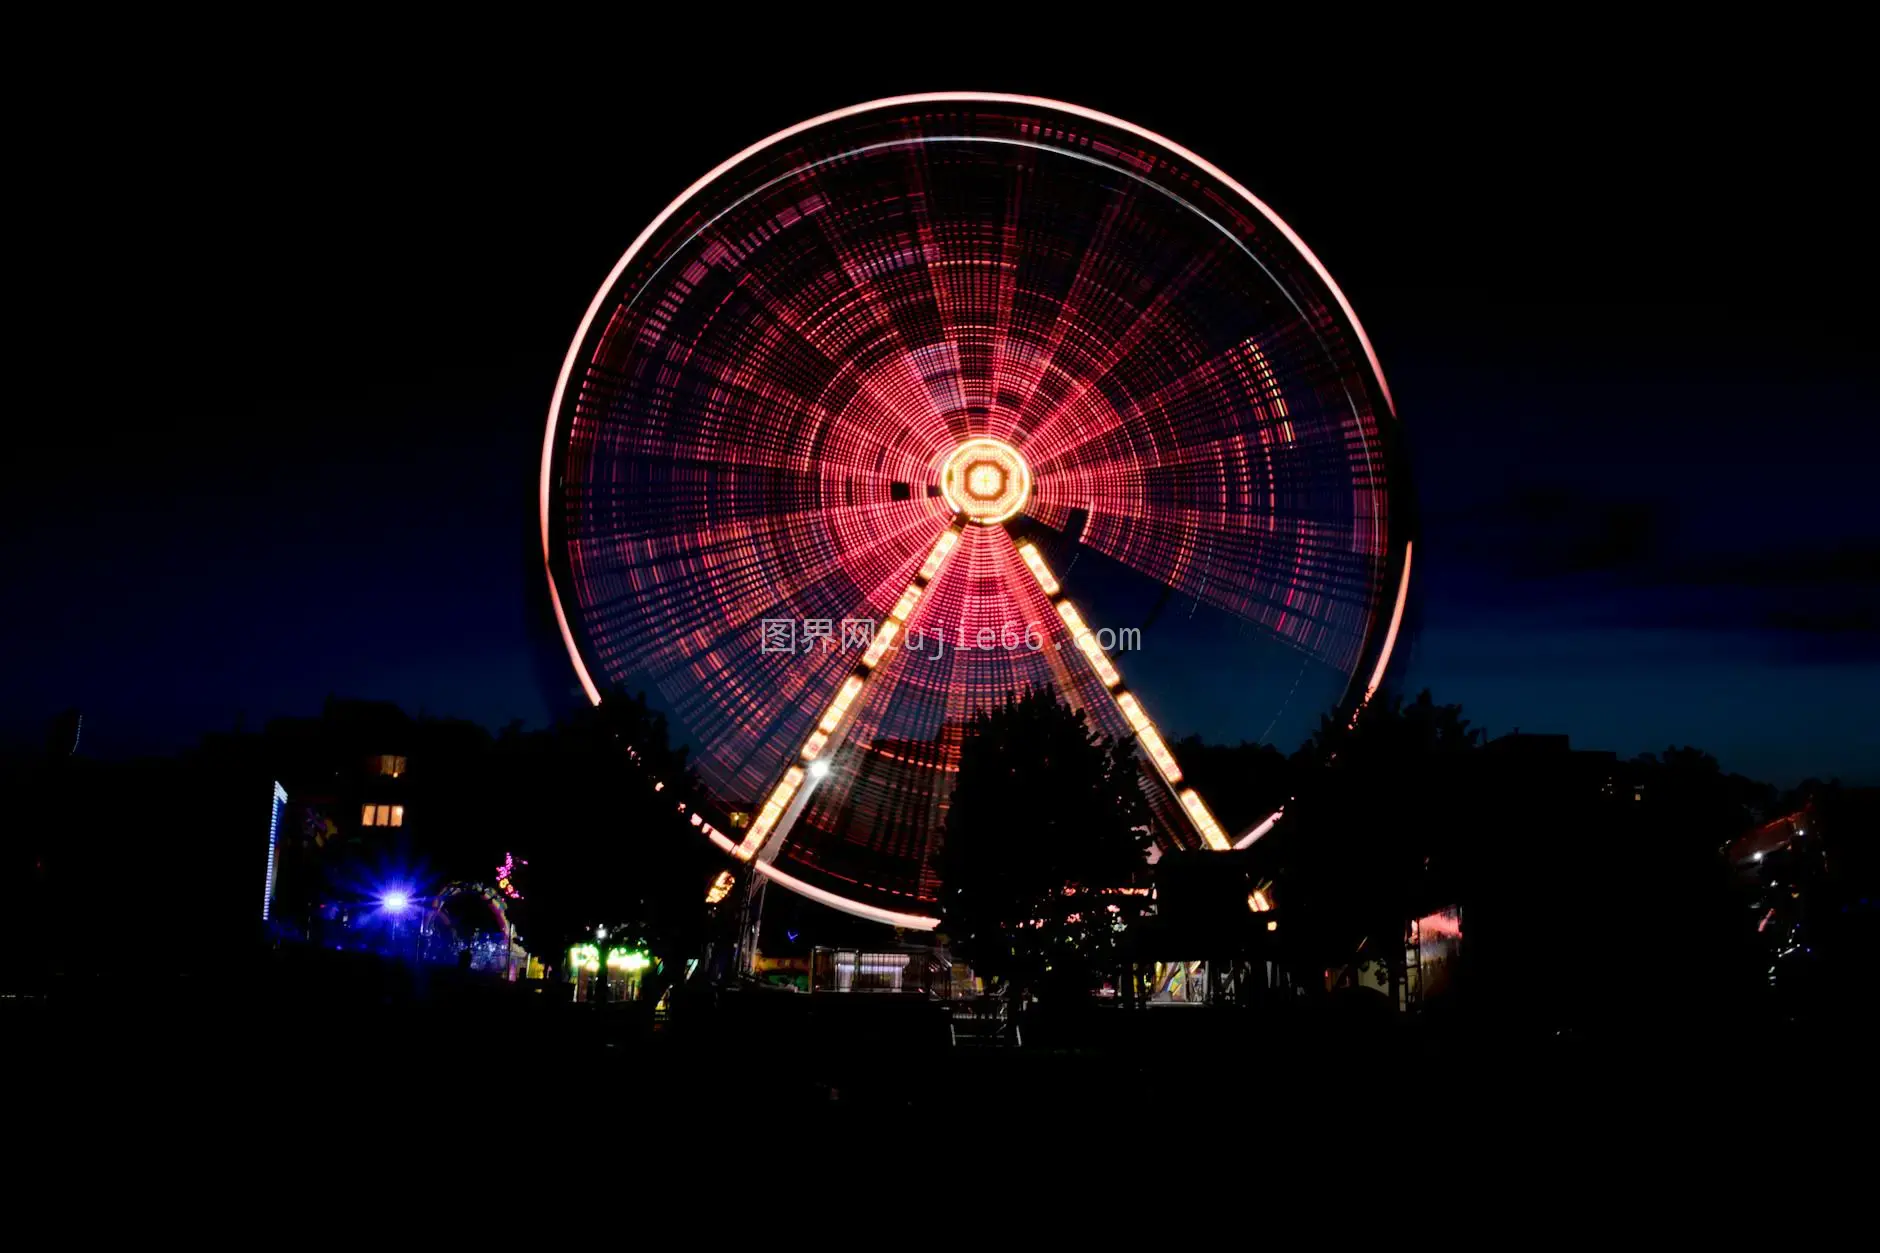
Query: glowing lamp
{"x":1039,"y":570}
{"x":905,"y":605}
{"x":986,"y":480}
{"x":941,"y":548}
{"x":1198,"y":813}
{"x":879,"y":645}
{"x":840,"y":705}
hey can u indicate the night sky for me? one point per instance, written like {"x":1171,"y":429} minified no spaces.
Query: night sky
{"x":298,"y":332}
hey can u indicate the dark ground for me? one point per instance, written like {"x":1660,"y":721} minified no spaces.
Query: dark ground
{"x":292,"y":1053}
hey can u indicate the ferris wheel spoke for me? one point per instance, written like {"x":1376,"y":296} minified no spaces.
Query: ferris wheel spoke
{"x":887,"y":382}
{"x":786,"y":800}
{"x":725,"y":582}
{"x":947,"y":310}
{"x":730,"y":503}
{"x":770,"y":396}
{"x":1177,"y":419}
{"x":829,"y":332}
{"x":1069,"y":415}
{"x":1003,"y":358}
{"x":1083,"y":280}
{"x":754,"y":425}
{"x":1128,"y":705}
{"x":916,"y":395}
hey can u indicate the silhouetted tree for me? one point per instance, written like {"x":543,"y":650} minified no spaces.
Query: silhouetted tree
{"x":1381,"y":811}
{"x":1243,"y":782}
{"x":594,"y":802}
{"x":1668,"y":910}
{"x":1594,"y":895}
{"x":1046,"y":822}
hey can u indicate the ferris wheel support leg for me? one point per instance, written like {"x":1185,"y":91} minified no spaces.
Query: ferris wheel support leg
{"x":1199,"y":815}
{"x":798,"y":804}
{"x":751,"y":925}
{"x":790,"y":797}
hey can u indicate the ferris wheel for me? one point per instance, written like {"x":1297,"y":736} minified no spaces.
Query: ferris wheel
{"x":921,"y":401}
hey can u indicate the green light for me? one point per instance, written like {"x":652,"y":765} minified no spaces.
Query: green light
{"x":627,"y":959}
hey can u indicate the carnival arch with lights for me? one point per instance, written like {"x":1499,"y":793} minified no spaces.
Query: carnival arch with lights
{"x":443,"y":931}
{"x":923,"y":400}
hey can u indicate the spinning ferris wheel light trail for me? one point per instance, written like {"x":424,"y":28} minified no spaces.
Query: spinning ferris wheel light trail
{"x":964,"y":367}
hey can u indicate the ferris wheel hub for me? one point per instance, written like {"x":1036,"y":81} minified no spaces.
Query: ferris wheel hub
{"x":985,"y":479}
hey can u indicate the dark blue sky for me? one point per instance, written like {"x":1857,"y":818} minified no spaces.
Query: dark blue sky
{"x":300,"y":345}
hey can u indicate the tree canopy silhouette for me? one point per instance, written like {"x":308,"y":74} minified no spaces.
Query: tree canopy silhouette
{"x":1374,"y":826}
{"x":596,"y":802}
{"x":1047,"y":821}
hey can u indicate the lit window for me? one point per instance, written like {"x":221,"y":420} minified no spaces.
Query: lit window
{"x":389,"y":765}
{"x":365,"y":818}
{"x":382,"y":816}
{"x":398,"y":815}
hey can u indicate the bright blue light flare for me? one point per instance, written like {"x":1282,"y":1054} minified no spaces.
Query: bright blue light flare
{"x":396,"y":901}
